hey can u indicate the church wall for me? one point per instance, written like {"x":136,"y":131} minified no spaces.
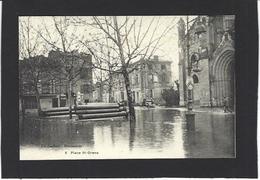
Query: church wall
{"x":201,"y":92}
{"x":216,"y":28}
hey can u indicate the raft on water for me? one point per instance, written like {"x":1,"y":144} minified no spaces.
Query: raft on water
{"x":103,"y":115}
{"x":90,"y":111}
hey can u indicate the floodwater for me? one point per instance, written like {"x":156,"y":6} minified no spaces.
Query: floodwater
{"x":157,"y":133}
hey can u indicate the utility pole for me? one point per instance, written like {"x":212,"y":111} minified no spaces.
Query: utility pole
{"x":188,"y":46}
{"x":190,"y":115}
{"x":189,"y":79}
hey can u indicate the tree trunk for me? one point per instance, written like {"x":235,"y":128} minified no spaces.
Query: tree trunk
{"x":38,"y":102}
{"x":110,"y":99}
{"x":132,"y":134}
{"x":69,"y":98}
{"x":23,"y":121}
{"x":129,"y":96}
{"x":125,"y":74}
{"x":101,"y":91}
{"x":22,"y":108}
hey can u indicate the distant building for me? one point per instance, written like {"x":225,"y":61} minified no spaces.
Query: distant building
{"x":53,"y":91}
{"x":211,"y":55}
{"x":99,"y":92}
{"x":147,"y":81}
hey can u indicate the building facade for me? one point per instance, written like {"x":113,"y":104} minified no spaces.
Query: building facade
{"x":53,"y":90}
{"x":207,"y":50}
{"x":147,"y":81}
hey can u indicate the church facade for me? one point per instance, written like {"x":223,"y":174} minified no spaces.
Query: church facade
{"x":207,"y":60}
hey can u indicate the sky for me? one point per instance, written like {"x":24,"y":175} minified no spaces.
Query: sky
{"x":168,"y":45}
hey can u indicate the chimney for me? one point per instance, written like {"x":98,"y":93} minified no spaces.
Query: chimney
{"x":156,"y":57}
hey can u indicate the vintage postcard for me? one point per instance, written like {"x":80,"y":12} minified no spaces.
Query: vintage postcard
{"x":127,"y":87}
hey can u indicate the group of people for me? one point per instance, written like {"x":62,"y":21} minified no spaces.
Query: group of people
{"x":226,"y":104}
{"x":227,"y":107}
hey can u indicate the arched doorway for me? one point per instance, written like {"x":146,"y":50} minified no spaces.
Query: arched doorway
{"x":195,"y":79}
{"x":222,"y":80}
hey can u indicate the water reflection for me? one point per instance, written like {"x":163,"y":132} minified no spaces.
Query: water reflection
{"x":213,"y":137}
{"x":132,"y":128}
{"x":157,"y":133}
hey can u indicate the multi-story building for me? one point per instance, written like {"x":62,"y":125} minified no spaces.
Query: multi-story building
{"x":208,"y":51}
{"x":147,"y":81}
{"x":53,"y":92}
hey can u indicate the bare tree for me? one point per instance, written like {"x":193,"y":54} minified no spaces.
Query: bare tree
{"x":32,"y":71}
{"x":105,"y":64}
{"x":61,"y":36}
{"x":30,"y":66}
{"x":130,"y":39}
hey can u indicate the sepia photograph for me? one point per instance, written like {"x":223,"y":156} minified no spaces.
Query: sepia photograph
{"x":127,"y":87}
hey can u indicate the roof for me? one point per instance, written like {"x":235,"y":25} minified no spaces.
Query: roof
{"x":153,"y":60}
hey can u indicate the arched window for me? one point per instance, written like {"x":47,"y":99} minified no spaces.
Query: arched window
{"x":164,"y":78}
{"x":195,"y":79}
{"x":136,"y":79}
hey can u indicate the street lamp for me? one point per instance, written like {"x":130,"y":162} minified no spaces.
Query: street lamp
{"x":190,"y":96}
{"x":190,"y":116}
{"x":194,"y":60}
{"x":189,"y":80}
{"x":199,"y":29}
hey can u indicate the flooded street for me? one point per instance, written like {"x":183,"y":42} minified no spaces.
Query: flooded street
{"x":157,"y":133}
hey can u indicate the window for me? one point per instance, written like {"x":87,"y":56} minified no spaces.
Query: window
{"x":151,"y":93}
{"x":150,"y":67}
{"x":151,"y":78}
{"x":132,"y":80}
{"x":122,"y":96}
{"x":136,"y":79}
{"x":28,"y":89}
{"x":30,"y":103}
{"x":229,"y":23}
{"x":163,"y":67}
{"x":85,"y":88}
{"x":195,"y":79}
{"x":164,"y":78}
{"x":52,"y":86}
{"x":155,"y":78}
{"x":39,"y":86}
{"x":46,"y":88}
{"x":84,"y":73}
